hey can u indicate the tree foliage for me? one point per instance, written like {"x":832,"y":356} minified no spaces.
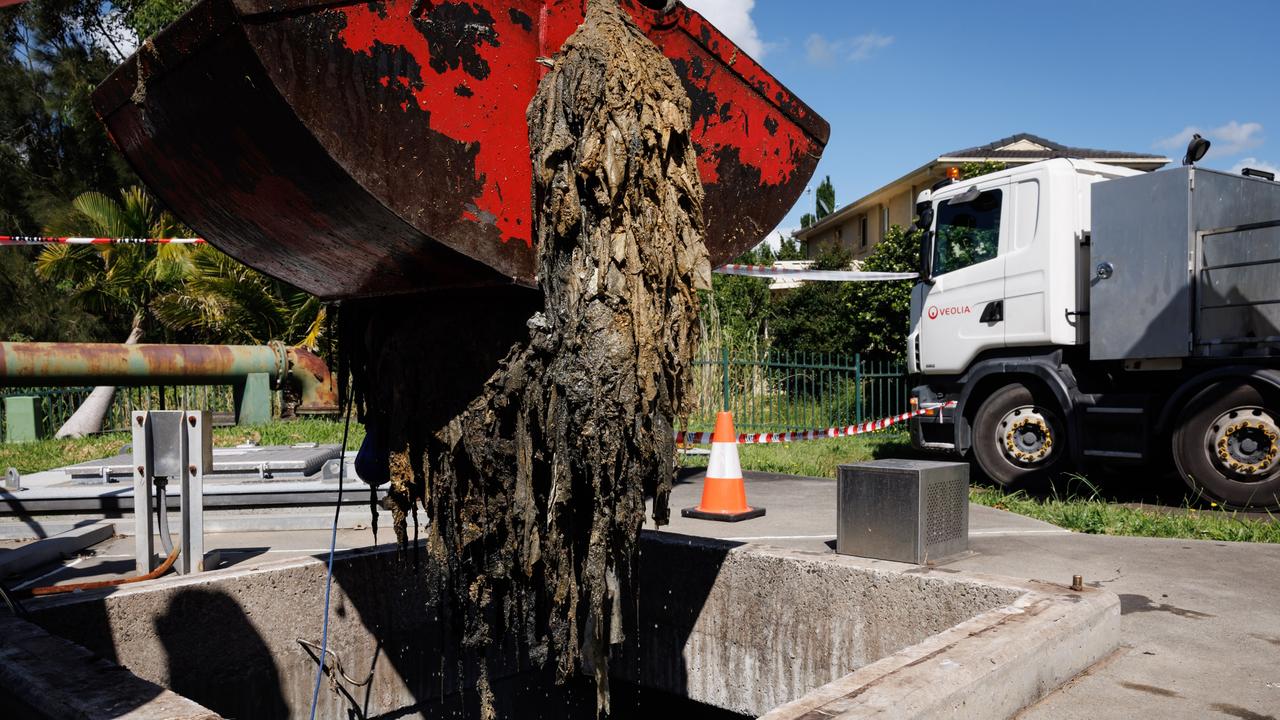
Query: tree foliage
{"x":810,"y":318}
{"x":32,"y":309}
{"x":880,"y":312}
{"x":60,"y":175}
{"x":977,"y":169}
{"x":825,"y":199}
{"x":223,"y":301}
{"x":789,"y":249}
{"x":871,"y":318}
{"x":740,"y":305}
{"x":174,"y":292}
{"x":116,"y":282}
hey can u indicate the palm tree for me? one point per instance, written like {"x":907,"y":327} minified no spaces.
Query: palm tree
{"x":111,"y":279}
{"x":197,"y":292}
{"x":221,"y":300}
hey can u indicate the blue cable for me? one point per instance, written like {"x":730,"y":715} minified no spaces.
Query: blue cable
{"x":328,"y":581}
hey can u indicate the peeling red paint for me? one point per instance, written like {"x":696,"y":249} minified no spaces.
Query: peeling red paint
{"x":736,"y":113}
{"x":355,"y":148}
{"x":502,"y":163}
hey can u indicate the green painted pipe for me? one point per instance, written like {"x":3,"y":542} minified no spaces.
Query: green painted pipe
{"x":43,"y":364}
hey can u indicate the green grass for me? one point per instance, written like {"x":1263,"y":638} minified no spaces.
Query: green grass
{"x":1079,"y":506}
{"x":46,"y":454}
{"x":1090,"y":513}
{"x":816,"y":458}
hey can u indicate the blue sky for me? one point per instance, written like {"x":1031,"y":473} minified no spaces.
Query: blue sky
{"x":901,"y":82}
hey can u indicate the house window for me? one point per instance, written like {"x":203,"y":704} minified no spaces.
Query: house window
{"x":884,"y":220}
{"x":862,"y":229}
{"x":839,"y":235}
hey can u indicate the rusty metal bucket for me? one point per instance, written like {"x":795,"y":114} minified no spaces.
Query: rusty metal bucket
{"x":357,"y":149}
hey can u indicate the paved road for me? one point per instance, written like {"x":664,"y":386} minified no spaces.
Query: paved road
{"x":1200,"y":620}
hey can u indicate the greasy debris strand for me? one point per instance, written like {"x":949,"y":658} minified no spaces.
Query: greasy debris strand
{"x":535,"y":490}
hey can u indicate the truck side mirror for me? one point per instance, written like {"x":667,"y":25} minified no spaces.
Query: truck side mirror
{"x":924,"y":225}
{"x":926,"y":256}
{"x":924,"y":219}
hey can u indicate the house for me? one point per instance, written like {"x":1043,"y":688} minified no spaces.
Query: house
{"x":861,"y":224}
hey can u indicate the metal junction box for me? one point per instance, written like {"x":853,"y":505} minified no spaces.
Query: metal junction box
{"x":1185,"y":262}
{"x":911,"y":511}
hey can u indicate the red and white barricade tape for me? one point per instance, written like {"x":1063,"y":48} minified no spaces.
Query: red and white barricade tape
{"x":703,"y":438}
{"x":768,"y":271}
{"x":36,"y":240}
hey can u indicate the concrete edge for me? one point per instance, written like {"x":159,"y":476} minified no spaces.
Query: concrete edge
{"x":37,"y":669}
{"x":354,"y":517}
{"x":201,"y":578}
{"x":991,"y":666}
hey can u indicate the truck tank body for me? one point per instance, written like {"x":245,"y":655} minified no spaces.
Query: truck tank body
{"x":1194,"y":273}
{"x":358,"y":149}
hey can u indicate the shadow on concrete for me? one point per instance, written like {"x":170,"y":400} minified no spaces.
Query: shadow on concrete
{"x":216,"y":657}
{"x":231,"y":642}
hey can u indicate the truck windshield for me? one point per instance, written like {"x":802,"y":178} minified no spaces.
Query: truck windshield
{"x":968,"y":232}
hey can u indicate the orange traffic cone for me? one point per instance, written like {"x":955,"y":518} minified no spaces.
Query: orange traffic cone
{"x":724,"y":495}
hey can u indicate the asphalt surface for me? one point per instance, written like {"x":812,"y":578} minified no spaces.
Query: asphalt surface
{"x":1200,"y":625}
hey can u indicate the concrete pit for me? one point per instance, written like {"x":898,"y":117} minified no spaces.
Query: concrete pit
{"x":725,"y":629}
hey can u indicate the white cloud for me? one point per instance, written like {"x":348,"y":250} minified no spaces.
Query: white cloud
{"x":821,"y":51}
{"x":1256,"y":164}
{"x":1230,"y":139}
{"x":864,"y":45}
{"x":733,"y":18}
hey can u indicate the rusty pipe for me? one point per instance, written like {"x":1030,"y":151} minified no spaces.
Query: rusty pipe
{"x":117,"y":364}
{"x":319,"y":390}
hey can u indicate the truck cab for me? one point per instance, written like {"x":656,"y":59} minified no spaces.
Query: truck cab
{"x":1072,"y":313}
{"x":1005,"y":262}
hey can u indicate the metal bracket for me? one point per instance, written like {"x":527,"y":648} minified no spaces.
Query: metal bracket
{"x":1071,"y":315}
{"x":175,"y":446}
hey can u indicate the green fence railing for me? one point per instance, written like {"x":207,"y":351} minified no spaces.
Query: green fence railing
{"x":58,"y":404}
{"x":778,"y":392}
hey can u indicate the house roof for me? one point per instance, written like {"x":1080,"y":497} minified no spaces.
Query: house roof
{"x":1025,"y":146}
{"x":1019,"y":148}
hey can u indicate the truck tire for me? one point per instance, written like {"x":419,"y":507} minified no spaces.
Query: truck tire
{"x":1019,"y":438}
{"x":1226,"y":445}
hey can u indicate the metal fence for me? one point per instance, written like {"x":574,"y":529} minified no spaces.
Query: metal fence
{"x":778,"y":392}
{"x":58,"y":404}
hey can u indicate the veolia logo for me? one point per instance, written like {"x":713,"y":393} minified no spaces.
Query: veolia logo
{"x":935,"y":311}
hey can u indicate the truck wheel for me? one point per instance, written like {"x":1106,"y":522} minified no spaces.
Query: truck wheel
{"x":1019,"y":439}
{"x":1227,"y":446}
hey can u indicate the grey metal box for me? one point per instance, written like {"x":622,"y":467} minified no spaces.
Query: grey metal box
{"x":909,"y":511}
{"x":1193,"y":254}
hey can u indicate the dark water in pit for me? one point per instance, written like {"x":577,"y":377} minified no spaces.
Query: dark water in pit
{"x":631,"y":702}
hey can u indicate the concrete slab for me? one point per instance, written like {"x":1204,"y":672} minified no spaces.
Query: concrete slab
{"x":1198,"y":624}
{"x":802,"y":514}
{"x":46,"y":550}
{"x":741,"y":627}
{"x":114,"y":557}
{"x":37,"y":670}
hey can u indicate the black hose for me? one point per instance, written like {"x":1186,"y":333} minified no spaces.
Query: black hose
{"x":15,"y":607}
{"x":162,"y":515}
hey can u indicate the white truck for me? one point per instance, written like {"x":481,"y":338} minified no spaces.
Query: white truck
{"x":1072,"y":313}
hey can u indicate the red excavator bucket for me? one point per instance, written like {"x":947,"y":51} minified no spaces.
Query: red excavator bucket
{"x":366,"y":148}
